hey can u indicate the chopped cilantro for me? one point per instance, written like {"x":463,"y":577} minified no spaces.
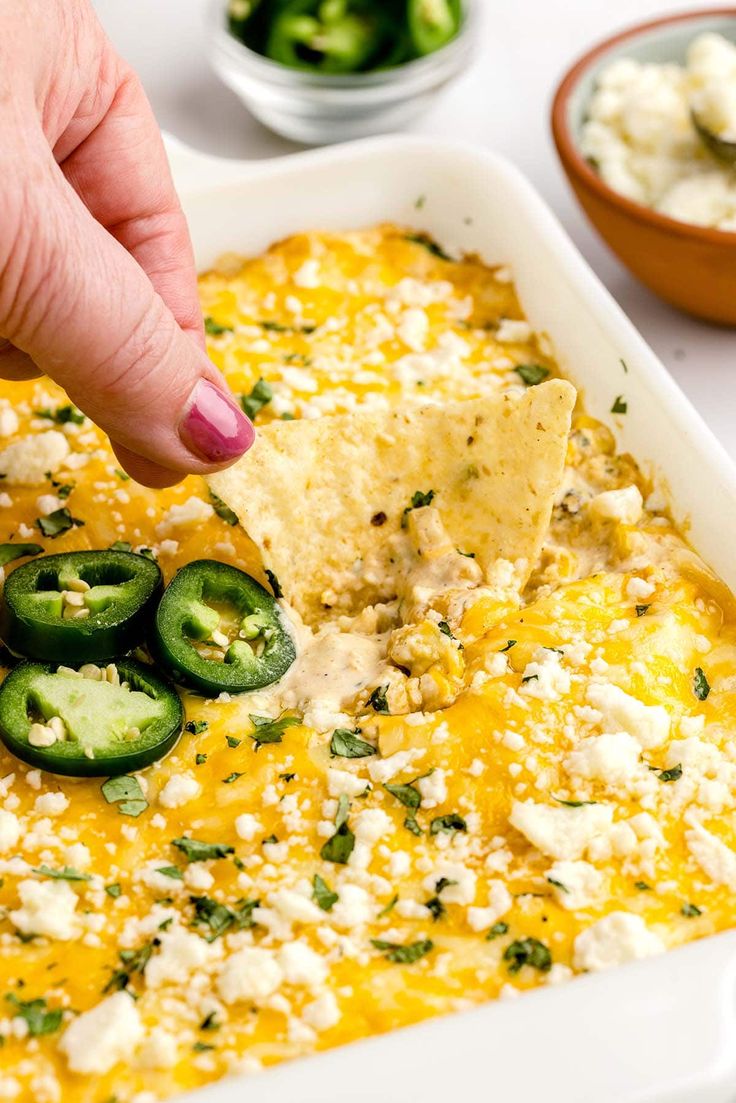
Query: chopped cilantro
{"x":690,"y":911}
{"x":171,"y":871}
{"x":63,"y":415}
{"x":419,"y":499}
{"x":54,"y":524}
{"x":340,"y":846}
{"x":642,"y":609}
{"x":701,"y":686}
{"x":202,"y":1047}
{"x":497,"y":931}
{"x":427,"y":243}
{"x":642,"y":886}
{"x":65,"y":874}
{"x":9,"y":552}
{"x":214,"y":329}
{"x":232,"y":742}
{"x":121,"y":545}
{"x":200,"y":759}
{"x":194,"y":850}
{"x":209,"y":1022}
{"x":113,"y":890}
{"x":528,"y":951}
{"x":403,"y":955}
{"x":231,"y":778}
{"x":410,"y":823}
{"x":620,"y":405}
{"x":323,"y":894}
{"x":406,"y":794}
{"x":126,"y":792}
{"x":196,"y":727}
{"x":259,"y":397}
{"x":222,"y":509}
{"x":287,"y":777}
{"x":274,"y":583}
{"x":509,"y":645}
{"x":133,"y":962}
{"x":268,"y":730}
{"x":574,"y":803}
{"x":378,"y":700}
{"x":531,"y":374}
{"x":36,"y":1014}
{"x":450,"y":823}
{"x":436,"y":908}
{"x":673,"y":774}
{"x":389,"y":907}
{"x":218,"y":918}
{"x":558,"y":885}
{"x":345,"y":744}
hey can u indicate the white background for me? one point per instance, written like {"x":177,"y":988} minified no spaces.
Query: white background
{"x":501,"y":103}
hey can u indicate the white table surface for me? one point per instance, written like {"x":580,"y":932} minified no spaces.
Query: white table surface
{"x":501,"y":103}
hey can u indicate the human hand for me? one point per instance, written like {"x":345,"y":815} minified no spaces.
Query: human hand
{"x":97,"y":281}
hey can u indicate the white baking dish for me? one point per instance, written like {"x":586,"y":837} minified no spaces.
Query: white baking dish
{"x":663,"y":1030}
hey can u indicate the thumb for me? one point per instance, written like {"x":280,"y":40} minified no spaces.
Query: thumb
{"x":75,"y":301}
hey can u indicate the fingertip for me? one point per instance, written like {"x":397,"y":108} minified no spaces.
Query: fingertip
{"x":214,"y":428}
{"x":145,"y":471}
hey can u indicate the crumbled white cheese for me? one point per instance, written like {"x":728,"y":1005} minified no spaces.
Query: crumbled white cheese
{"x":715,"y":859}
{"x":179,"y":790}
{"x":342,"y":781}
{"x":612,"y":757}
{"x":464,"y":880}
{"x":102,"y":1036}
{"x":180,"y":954}
{"x":295,"y":907}
{"x":560,"y":831}
{"x":159,"y":1050}
{"x":544,"y":677}
{"x":514,"y":332}
{"x":354,"y":908}
{"x":649,"y":724}
{"x":382,"y":770}
{"x":47,"y":908}
{"x":500,"y":901}
{"x":323,"y":1013}
{"x":433,"y":788}
{"x":576,"y":884}
{"x":8,"y":419}
{"x":301,"y":965}
{"x":247,"y":826}
{"x":614,"y":940}
{"x":9,"y":830}
{"x":252,"y":973}
{"x":28,"y":461}
{"x":308,"y":275}
{"x":624,"y":505}
{"x":51,"y":804}
{"x":195,"y":511}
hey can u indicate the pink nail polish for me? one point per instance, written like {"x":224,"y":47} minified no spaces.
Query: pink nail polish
{"x":214,"y":427}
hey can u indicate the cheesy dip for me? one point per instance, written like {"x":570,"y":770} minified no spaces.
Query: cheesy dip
{"x":484,"y":772}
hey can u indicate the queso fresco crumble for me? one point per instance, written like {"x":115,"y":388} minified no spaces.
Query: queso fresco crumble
{"x":641,"y":133}
{"x":484,"y":783}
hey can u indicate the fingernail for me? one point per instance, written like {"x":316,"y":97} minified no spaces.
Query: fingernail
{"x":214,"y":427}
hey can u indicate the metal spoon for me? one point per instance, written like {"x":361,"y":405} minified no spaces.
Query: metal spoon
{"x":722,"y":149}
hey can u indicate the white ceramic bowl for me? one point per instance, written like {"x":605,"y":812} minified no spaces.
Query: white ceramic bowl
{"x":319,"y":109}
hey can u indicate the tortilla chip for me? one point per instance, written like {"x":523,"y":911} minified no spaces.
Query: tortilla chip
{"x":322,"y":497}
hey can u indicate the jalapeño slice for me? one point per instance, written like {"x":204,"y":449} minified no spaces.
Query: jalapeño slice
{"x":433,"y":23}
{"x":89,"y":723}
{"x":334,"y":36}
{"x":86,"y":606}
{"x":217,"y":629}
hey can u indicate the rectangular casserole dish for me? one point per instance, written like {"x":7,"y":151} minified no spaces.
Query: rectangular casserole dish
{"x":661,"y":1030}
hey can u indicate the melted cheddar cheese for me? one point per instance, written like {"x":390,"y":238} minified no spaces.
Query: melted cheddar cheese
{"x":553,"y":783}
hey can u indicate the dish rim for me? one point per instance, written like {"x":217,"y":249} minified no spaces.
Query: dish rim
{"x":569,"y":152}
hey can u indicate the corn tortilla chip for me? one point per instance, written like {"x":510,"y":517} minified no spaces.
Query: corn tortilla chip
{"x":322,"y":497}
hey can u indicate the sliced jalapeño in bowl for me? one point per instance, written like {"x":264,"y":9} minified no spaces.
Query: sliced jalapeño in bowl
{"x":86,"y":606}
{"x":218,"y":630}
{"x":91,"y":722}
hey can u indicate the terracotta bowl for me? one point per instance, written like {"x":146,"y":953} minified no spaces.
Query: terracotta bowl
{"x":691,"y":267}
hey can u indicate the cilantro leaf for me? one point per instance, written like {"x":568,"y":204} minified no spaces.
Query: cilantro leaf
{"x":222,"y":509}
{"x":274,"y":583}
{"x":340,"y":846}
{"x":65,"y":874}
{"x":345,"y":744}
{"x":528,"y":951}
{"x":194,"y":850}
{"x":270,"y":731}
{"x":450,"y":823}
{"x":497,"y":931}
{"x":36,"y":1014}
{"x":419,"y":499}
{"x":63,"y":415}
{"x":9,"y":552}
{"x":57,"y":522}
{"x":531,"y":374}
{"x":127,"y":793}
{"x":673,"y":774}
{"x":403,"y":955}
{"x":323,"y":894}
{"x":690,"y":911}
{"x":214,"y":329}
{"x":196,"y":727}
{"x":406,"y":794}
{"x":378,"y":700}
{"x":259,"y":397}
{"x":701,"y":686}
{"x":427,"y":243}
{"x":620,"y":405}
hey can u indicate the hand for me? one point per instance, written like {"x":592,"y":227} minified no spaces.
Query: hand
{"x":97,"y":281}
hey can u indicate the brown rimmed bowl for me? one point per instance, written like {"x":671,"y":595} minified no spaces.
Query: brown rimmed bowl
{"x":692,"y":267}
